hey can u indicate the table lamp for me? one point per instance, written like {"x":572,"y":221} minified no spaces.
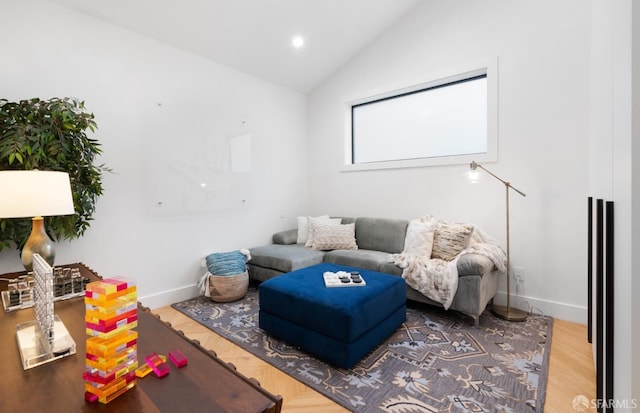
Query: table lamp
{"x":35,"y":194}
{"x":506,"y":313}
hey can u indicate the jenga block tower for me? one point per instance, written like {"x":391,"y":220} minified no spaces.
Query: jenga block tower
{"x":111,"y":359}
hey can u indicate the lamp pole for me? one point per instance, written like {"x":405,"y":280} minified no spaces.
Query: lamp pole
{"x":506,"y":313}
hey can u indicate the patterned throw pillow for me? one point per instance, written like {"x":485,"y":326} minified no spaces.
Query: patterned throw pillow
{"x":314,"y":222}
{"x":334,"y":237}
{"x":450,"y":239}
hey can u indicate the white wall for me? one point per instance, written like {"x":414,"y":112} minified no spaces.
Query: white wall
{"x":148,"y":97}
{"x":543,"y":53}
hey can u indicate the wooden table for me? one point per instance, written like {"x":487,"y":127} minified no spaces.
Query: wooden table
{"x":206,"y":384}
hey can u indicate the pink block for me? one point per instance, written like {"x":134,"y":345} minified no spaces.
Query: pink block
{"x":177,"y":358}
{"x":160,"y":368}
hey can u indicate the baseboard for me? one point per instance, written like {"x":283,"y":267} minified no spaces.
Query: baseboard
{"x":168,"y":297}
{"x":561,"y":311}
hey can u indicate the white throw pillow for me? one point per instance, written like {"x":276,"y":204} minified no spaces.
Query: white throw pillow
{"x":419,"y":238}
{"x":314,"y":221}
{"x":334,"y":237}
{"x":303,"y":228}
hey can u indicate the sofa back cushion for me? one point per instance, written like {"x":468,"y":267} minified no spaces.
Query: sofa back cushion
{"x":381,"y":234}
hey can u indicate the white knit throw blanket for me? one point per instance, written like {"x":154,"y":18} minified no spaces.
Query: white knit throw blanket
{"x":438,"y":279}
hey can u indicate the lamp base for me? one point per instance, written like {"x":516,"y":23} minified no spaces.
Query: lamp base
{"x":508,"y":313}
{"x":38,"y":243}
{"x":36,"y":349}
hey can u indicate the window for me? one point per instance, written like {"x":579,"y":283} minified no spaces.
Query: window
{"x":443,"y":120}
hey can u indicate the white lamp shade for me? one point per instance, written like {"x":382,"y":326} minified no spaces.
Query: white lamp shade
{"x":35,"y":193}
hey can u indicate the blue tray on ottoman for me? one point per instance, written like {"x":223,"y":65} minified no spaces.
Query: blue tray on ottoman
{"x":338,"y":325}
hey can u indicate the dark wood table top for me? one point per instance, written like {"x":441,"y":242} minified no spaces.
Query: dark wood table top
{"x":206,"y":384}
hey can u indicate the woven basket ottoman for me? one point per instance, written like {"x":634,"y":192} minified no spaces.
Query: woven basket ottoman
{"x":339,"y":325}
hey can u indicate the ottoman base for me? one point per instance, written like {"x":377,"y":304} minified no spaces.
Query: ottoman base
{"x":326,"y":348}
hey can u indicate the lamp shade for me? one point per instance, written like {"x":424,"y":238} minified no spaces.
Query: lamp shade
{"x":27,"y":194}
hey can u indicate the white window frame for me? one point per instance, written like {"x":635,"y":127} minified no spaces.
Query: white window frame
{"x":487,"y":66}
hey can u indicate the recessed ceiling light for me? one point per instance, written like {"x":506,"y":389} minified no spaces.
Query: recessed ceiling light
{"x":297,"y":41}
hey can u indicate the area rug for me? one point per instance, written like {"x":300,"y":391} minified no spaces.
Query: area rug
{"x":436,"y":362}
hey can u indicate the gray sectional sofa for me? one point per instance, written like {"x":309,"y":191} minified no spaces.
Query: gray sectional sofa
{"x":376,"y":238}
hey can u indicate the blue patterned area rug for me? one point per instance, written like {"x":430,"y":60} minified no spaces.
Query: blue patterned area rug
{"x":436,"y":362}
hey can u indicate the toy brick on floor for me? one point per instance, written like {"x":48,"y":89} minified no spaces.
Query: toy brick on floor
{"x":112,"y":350}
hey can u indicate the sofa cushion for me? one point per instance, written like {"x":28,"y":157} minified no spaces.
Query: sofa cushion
{"x":381,"y":234}
{"x":285,"y":258}
{"x":366,"y":259}
{"x":347,"y":220}
{"x":285,"y":237}
{"x":390,"y":268}
{"x":257,"y":273}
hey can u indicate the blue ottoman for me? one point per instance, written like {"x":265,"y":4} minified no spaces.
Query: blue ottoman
{"x":339,"y":325}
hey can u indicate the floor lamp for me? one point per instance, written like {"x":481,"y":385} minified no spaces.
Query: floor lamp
{"x":506,"y":313}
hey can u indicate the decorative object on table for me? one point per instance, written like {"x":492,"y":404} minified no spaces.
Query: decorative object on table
{"x":51,"y":135}
{"x":111,"y":358}
{"x":508,"y":313}
{"x":343,"y":279}
{"x":435,"y":362}
{"x":226,"y":278}
{"x":67,"y":283}
{"x":46,"y":338}
{"x":36,"y":194}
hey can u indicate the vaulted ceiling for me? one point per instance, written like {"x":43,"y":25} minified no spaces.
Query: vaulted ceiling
{"x":255,"y":36}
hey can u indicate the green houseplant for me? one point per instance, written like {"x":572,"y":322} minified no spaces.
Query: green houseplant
{"x":51,"y":135}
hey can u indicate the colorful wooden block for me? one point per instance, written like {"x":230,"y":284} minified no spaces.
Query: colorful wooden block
{"x":160,"y":368}
{"x":111,"y":356}
{"x":178,"y":358}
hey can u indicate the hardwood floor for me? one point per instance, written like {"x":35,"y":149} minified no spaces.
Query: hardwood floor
{"x":571,"y":370}
{"x":571,"y":367}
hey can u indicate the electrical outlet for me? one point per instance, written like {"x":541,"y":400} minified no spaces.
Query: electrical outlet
{"x":518,"y":273}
